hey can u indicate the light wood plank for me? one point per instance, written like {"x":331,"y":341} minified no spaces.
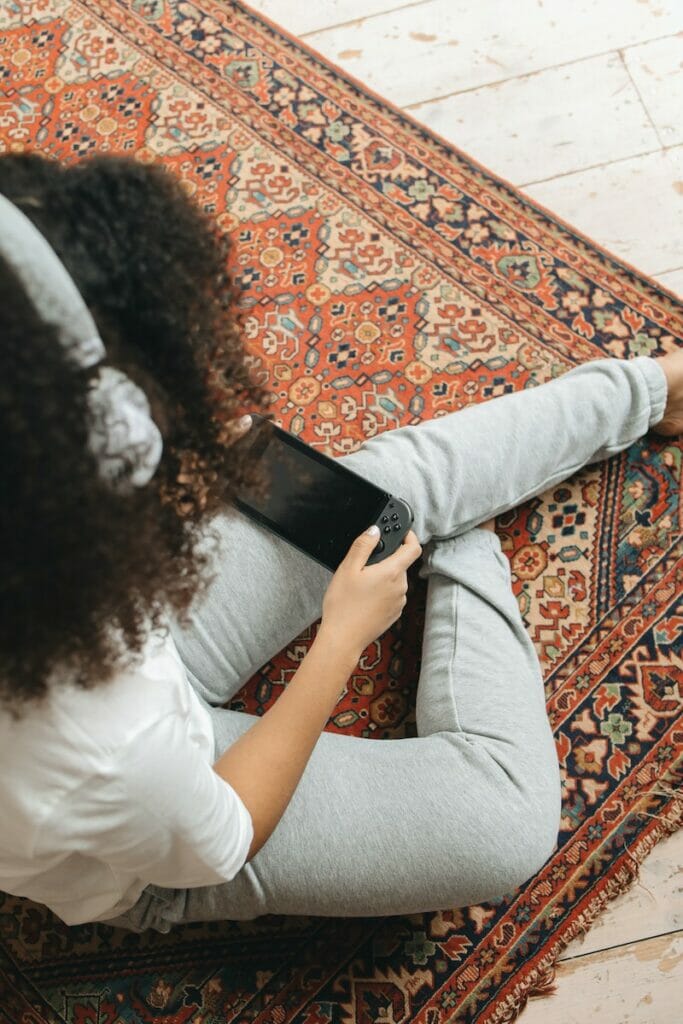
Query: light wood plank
{"x":673,"y":280}
{"x":657,"y":70}
{"x":439,"y":48}
{"x":634,"y":208}
{"x":652,"y":906}
{"x":554,"y":122}
{"x":639,"y":983}
{"x":299,"y":18}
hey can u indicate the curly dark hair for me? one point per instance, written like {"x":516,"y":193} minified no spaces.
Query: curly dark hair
{"x":84,"y":566}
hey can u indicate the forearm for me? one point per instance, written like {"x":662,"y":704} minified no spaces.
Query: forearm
{"x":265,"y":764}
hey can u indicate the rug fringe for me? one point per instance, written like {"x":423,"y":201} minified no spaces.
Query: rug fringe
{"x":541,"y":982}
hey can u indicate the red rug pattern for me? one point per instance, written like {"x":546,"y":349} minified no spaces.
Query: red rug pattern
{"x":385,"y":278}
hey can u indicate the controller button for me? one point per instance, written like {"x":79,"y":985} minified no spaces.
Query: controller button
{"x":394,"y":515}
{"x":385,"y":519}
{"x":379,"y":546}
{"x":387,"y":529}
{"x":397,"y":526}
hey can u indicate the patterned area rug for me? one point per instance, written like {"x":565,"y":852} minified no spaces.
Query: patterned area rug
{"x":386,"y":278}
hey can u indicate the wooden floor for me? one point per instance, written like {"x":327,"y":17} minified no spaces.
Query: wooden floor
{"x":580,"y":104}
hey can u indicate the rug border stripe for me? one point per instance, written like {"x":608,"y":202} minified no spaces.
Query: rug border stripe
{"x":452,"y":149}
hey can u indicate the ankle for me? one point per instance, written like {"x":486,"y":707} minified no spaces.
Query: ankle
{"x":672,"y":364}
{"x":672,"y":420}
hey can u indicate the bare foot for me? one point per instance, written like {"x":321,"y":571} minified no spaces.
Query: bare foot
{"x":672,"y":422}
{"x":489,"y":525}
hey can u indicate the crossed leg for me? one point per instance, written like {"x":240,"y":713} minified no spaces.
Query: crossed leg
{"x":456,"y":471}
{"x":468,"y":809}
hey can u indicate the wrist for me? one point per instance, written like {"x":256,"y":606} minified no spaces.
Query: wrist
{"x":337,"y":647}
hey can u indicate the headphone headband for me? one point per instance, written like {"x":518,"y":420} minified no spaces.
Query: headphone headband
{"x":122,"y":434}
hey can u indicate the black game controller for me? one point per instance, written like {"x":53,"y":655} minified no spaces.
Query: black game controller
{"x":307,"y":489}
{"x":394,"y":521}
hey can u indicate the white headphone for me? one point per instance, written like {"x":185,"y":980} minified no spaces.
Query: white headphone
{"x":123,"y":436}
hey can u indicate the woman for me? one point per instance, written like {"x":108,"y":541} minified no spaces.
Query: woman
{"x":136,"y":600}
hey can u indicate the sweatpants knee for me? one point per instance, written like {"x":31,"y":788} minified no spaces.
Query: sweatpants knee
{"x":515,"y":847}
{"x":499,"y":857}
{"x":531,"y":841}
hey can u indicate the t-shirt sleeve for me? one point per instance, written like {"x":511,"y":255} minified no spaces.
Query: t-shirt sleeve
{"x":160,"y":810}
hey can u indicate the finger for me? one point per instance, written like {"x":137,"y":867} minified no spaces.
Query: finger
{"x":244,"y":423}
{"x":362,"y":548}
{"x":237,"y":428}
{"x":409,"y":551}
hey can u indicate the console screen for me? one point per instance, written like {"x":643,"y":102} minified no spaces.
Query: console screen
{"x":320,"y":508}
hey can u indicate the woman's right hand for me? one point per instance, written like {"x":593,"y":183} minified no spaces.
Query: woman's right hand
{"x":362,"y":601}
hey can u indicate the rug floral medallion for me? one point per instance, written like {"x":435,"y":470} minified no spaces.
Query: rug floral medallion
{"x":385,"y":278}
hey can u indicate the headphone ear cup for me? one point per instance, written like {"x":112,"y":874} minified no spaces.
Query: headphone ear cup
{"x":123,"y":437}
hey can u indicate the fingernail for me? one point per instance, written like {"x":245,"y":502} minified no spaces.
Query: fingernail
{"x":373,"y":531}
{"x":245,"y":421}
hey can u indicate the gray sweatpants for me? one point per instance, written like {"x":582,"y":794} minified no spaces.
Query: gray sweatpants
{"x":469,"y":809}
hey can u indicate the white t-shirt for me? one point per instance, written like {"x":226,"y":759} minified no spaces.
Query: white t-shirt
{"x":103,"y":791}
